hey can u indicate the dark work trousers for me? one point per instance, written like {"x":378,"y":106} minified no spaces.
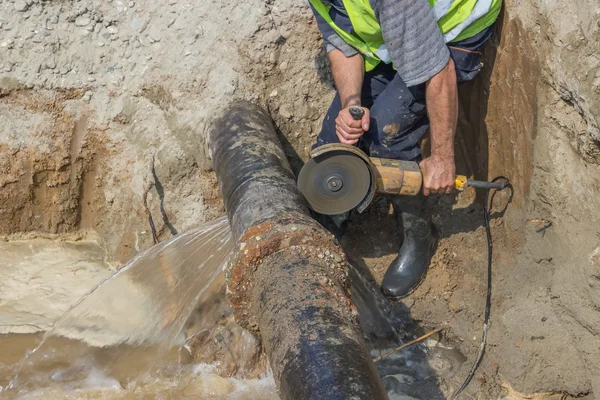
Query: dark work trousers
{"x":398,"y":113}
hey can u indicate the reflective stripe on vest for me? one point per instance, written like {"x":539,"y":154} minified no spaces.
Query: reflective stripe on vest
{"x":461,"y":19}
{"x":481,"y":8}
{"x":383,"y":54}
{"x":366,"y":38}
{"x":441,"y":8}
{"x":457,"y":19}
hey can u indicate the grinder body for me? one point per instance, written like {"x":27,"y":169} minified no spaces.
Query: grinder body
{"x":397,"y":177}
{"x":339,"y":177}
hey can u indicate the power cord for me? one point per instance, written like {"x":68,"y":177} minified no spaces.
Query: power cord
{"x":488,"y":301}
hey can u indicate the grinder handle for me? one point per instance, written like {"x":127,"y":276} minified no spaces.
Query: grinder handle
{"x":461,"y":183}
{"x":357,"y":113}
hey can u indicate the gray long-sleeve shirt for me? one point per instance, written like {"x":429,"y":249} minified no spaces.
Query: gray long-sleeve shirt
{"x":410,"y":32}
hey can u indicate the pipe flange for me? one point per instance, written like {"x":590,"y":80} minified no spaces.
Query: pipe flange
{"x":272,"y":236}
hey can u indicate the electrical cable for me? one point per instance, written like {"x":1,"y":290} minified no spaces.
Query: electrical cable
{"x":488,"y":301}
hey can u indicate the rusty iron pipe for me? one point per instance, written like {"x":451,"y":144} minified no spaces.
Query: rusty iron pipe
{"x":288,"y":283}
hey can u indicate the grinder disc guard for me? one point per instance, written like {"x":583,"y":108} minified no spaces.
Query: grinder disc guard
{"x":334,"y":182}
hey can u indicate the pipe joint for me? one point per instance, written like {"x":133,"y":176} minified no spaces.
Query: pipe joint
{"x":279,"y":237}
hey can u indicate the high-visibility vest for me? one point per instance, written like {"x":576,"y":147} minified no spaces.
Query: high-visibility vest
{"x":457,"y":19}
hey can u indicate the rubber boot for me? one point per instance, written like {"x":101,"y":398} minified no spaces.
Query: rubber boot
{"x":409,"y":268}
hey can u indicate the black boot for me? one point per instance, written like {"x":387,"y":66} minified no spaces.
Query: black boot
{"x":335,"y":224}
{"x":407,"y":270}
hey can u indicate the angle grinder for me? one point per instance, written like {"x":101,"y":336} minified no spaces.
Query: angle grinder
{"x":339,"y":177}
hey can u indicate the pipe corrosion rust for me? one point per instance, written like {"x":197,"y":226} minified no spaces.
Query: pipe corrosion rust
{"x":296,"y":233}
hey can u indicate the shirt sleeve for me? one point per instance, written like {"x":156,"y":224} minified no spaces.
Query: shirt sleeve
{"x":413,"y":39}
{"x":331,"y":39}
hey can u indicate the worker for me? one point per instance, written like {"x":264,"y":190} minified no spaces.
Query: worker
{"x":401,"y":60}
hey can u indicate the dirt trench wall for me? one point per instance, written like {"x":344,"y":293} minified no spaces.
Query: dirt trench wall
{"x":101,"y":102}
{"x":542,"y":123}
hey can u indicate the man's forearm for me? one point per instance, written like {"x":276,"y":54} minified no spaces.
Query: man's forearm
{"x":442,"y":107}
{"x":348,"y":75}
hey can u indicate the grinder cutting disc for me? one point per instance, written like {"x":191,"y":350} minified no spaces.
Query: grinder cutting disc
{"x":335,"y":182}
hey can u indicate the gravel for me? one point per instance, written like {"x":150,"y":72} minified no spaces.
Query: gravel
{"x":21,"y":6}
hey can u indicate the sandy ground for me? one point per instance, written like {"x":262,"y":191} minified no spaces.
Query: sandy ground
{"x":104,"y":101}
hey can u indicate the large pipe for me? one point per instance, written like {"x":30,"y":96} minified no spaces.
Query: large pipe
{"x":288,"y":283}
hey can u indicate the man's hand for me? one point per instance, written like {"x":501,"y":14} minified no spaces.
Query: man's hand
{"x":349,"y":130}
{"x":438,"y":174}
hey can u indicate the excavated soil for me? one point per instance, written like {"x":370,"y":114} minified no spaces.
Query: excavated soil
{"x":103,"y":109}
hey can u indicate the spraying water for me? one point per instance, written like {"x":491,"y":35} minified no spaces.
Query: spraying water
{"x":130,"y":326}
{"x":147,"y":302}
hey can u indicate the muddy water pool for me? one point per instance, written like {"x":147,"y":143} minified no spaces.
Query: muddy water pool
{"x":72,"y":370}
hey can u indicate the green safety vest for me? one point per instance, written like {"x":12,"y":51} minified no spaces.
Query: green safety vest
{"x":457,"y":19}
